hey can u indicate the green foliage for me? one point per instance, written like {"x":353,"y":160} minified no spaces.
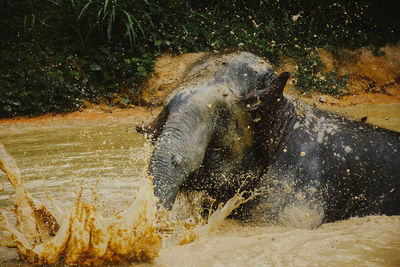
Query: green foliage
{"x":108,"y":46}
{"x":33,"y":85}
{"x":309,"y":77}
{"x":137,"y":70}
{"x":40,"y":80}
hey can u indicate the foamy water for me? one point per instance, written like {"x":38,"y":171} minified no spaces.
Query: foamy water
{"x":110,"y":158}
{"x":84,"y":235}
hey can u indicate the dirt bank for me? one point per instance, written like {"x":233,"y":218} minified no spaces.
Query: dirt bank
{"x":374,"y":83}
{"x":373,"y":77}
{"x":374,"y":87}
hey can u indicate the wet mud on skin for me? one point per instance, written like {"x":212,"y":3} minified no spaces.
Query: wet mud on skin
{"x":100,"y":148}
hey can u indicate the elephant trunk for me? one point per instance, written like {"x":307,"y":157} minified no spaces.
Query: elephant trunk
{"x":178,"y":152}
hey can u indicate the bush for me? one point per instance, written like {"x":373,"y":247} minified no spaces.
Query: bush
{"x":105,"y":47}
{"x":33,"y":85}
{"x":309,"y":77}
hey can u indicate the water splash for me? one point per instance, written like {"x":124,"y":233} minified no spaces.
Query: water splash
{"x":83,"y":235}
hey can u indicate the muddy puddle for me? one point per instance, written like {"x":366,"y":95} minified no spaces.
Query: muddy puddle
{"x":57,"y":157}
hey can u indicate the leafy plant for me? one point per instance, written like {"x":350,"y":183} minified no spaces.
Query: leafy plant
{"x":54,"y":54}
{"x":309,"y":77}
{"x":136,"y":70}
{"x":33,"y":86}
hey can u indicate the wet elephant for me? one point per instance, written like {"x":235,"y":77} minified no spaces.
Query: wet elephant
{"x":321,"y":167}
{"x":203,"y":138}
{"x":229,"y":120}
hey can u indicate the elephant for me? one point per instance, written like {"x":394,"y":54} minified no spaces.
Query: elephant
{"x":228,"y":120}
{"x":321,"y":167}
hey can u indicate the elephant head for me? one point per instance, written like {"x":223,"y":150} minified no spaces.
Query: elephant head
{"x":204,"y":122}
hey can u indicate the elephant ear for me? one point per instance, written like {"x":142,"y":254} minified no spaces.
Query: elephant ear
{"x":154,"y":128}
{"x":267,"y":96}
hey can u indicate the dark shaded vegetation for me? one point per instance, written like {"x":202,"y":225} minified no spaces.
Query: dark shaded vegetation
{"x":56,"y":54}
{"x":310,"y":77}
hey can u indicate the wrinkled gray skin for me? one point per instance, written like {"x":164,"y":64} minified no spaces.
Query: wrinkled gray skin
{"x":229,"y":118}
{"x":320,"y":166}
{"x":204,"y":139}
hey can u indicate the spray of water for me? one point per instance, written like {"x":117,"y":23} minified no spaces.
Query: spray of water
{"x":83,"y":235}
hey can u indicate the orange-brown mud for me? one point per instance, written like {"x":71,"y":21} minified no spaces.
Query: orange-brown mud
{"x":373,"y":79}
{"x":99,"y":112}
{"x":169,"y":71}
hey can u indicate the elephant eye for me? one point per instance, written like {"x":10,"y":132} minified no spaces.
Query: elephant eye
{"x":176,"y":160}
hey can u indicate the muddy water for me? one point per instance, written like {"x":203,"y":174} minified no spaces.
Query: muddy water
{"x":382,"y":115}
{"x":57,"y":155}
{"x":108,"y":155}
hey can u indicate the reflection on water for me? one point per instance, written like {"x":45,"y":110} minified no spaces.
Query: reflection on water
{"x":55,"y":156}
{"x":110,"y":156}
